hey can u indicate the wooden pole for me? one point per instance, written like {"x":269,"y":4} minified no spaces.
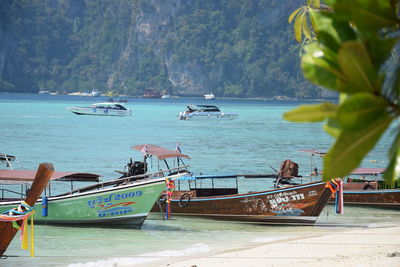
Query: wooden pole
{"x":43,"y":174}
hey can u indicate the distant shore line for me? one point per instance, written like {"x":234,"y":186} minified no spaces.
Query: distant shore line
{"x":191,"y":97}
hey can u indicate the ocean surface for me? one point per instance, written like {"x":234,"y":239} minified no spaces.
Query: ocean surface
{"x":39,"y":128}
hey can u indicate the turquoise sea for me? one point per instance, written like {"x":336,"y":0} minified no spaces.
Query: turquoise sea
{"x":39,"y":128}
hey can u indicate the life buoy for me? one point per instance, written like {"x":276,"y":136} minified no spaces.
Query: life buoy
{"x":184,"y":200}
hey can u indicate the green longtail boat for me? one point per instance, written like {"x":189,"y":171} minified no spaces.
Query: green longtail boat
{"x":119,"y":202}
{"x":123,"y":202}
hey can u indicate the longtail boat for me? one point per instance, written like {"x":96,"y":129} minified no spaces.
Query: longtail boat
{"x":286,"y":203}
{"x":7,"y":231}
{"x":364,"y":186}
{"x":291,"y":204}
{"x":123,"y":202}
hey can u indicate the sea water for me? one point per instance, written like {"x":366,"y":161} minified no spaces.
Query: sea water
{"x":40,"y":128}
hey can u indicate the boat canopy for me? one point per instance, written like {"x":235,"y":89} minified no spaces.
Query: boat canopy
{"x":109,"y":106}
{"x":204,"y":177}
{"x":5,"y":157}
{"x":27,"y":176}
{"x":203,"y":108}
{"x":314,"y":152}
{"x":160,"y":152}
{"x":368,"y":171}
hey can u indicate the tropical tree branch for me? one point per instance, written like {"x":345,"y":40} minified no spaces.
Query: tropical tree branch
{"x":348,"y":50}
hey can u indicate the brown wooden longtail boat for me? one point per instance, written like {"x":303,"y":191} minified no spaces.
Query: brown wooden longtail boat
{"x":43,"y":174}
{"x":292,"y":204}
{"x":364,"y":187}
{"x":202,"y":196}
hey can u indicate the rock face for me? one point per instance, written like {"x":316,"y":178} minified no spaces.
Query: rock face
{"x":150,"y":26}
{"x":183,"y":47}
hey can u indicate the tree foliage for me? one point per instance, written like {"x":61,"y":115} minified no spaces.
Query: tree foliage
{"x":352,"y":55}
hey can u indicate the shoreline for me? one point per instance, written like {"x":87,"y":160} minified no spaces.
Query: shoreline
{"x":375,"y":246}
{"x":190,"y":97}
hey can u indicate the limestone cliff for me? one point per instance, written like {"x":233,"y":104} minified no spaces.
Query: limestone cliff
{"x":241,"y":48}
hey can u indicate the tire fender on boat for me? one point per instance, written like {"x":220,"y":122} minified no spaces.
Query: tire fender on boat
{"x":368,"y":187}
{"x":162,"y":199}
{"x":184,"y":200}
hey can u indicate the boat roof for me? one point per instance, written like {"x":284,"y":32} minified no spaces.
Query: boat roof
{"x":160,"y":152}
{"x":368,"y":171}
{"x":202,"y":106}
{"x":204,"y":177}
{"x":108,"y":104}
{"x":27,"y":176}
{"x":357,"y":171}
{"x":314,"y":152}
{"x":5,"y":157}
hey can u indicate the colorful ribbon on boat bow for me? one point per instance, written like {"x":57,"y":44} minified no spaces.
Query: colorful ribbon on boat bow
{"x":21,"y":213}
{"x":336,"y":187}
{"x":170,"y":188}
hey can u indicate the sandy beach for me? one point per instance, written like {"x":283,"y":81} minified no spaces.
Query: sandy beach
{"x":356,"y":247}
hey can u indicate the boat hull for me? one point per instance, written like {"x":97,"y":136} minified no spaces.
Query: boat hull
{"x":208,"y":115}
{"x":382,"y":198}
{"x":124,"y":206}
{"x":100,"y":112}
{"x":300,"y":204}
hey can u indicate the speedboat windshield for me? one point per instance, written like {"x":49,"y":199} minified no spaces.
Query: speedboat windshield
{"x":121,"y":107}
{"x":203,"y":108}
{"x":109,"y":106}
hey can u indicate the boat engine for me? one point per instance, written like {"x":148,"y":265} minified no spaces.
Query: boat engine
{"x":182,"y":115}
{"x":135,"y":168}
{"x":289,"y":170}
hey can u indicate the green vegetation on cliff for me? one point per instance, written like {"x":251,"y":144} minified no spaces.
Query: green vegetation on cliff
{"x":242,"y":48}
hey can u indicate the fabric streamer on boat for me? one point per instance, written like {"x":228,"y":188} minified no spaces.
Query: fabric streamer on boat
{"x":170,"y":188}
{"x":336,"y":187}
{"x":339,"y":198}
{"x":22,"y":213}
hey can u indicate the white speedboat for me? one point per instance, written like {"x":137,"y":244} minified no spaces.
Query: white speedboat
{"x":206,"y":112}
{"x":93,"y":93}
{"x":102,"y":109}
{"x":209,"y":96}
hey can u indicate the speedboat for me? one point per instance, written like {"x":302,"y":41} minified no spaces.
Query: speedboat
{"x":93,"y":93}
{"x":205,"y":111}
{"x":209,"y":96}
{"x":7,"y":159}
{"x":102,"y":109}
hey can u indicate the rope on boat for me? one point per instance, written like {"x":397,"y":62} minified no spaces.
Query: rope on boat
{"x":21,"y":213}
